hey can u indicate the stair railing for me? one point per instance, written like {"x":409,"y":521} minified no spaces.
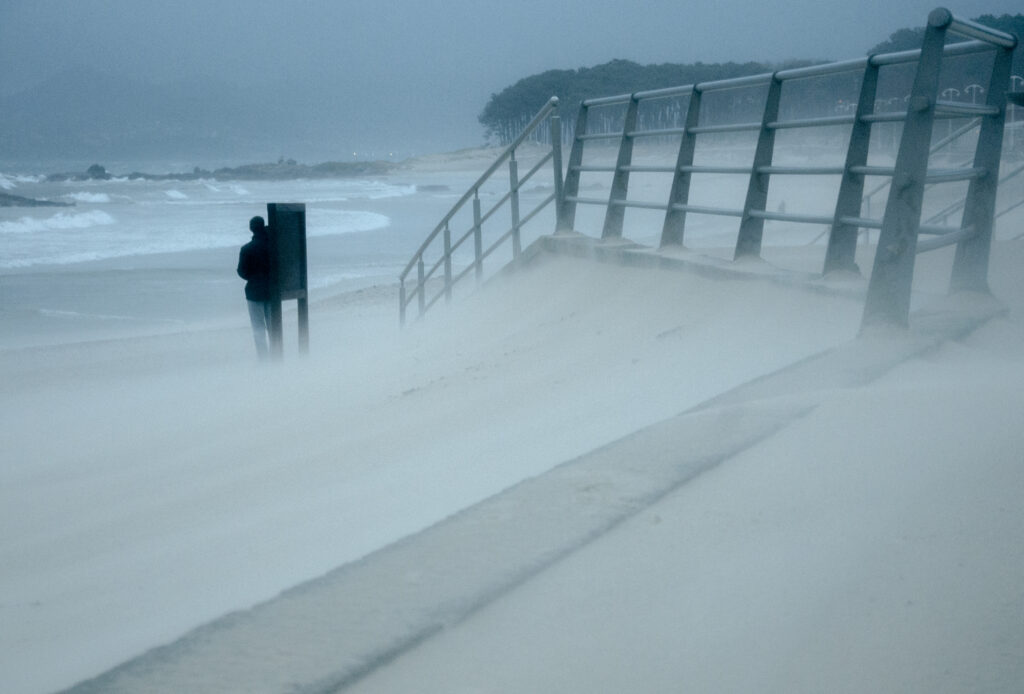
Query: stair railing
{"x":444,"y":244}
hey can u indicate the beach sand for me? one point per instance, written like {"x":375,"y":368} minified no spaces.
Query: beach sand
{"x":157,"y":480}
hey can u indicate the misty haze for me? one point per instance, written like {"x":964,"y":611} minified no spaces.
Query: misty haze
{"x":650,"y":408}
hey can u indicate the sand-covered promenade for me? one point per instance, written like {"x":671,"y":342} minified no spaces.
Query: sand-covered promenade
{"x":865,"y":539}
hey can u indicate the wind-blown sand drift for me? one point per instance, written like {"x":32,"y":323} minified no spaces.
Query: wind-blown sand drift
{"x":159,"y":492}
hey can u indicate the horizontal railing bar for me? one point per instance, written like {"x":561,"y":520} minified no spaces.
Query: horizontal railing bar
{"x":656,"y":133}
{"x":735,"y":127}
{"x":873,"y":170}
{"x":638,"y":204}
{"x":801,"y":170}
{"x":951,"y":50}
{"x":937,"y":230}
{"x":639,"y":168}
{"x":952,"y":175}
{"x":699,"y":209}
{"x":890,"y":117}
{"x":585,"y":201}
{"x":734,"y":82}
{"x":790,"y":217}
{"x":663,"y":93}
{"x":594,"y":169}
{"x":744,"y":170}
{"x":822,"y":70}
{"x":608,"y":100}
{"x":812,"y":122}
{"x":957,"y":110}
{"x":599,"y":136}
{"x":923,"y":246}
{"x":879,"y":60}
{"x":973,"y":30}
{"x":862,"y":222}
{"x":952,"y":137}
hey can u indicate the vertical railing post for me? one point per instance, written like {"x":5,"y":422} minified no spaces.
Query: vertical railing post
{"x":748,"y":243}
{"x":675,"y":220}
{"x":841,"y":253}
{"x":447,"y":263}
{"x":615,"y":214}
{"x":556,"y":165}
{"x":970,"y":264}
{"x":888,"y":297}
{"x":513,"y":182}
{"x":401,"y":302}
{"x":478,"y":237}
{"x":421,"y":287}
{"x":567,"y":215}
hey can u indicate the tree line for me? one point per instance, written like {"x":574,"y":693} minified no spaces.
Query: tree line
{"x":508,"y":112}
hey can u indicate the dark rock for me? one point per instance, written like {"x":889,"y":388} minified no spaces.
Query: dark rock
{"x":8,"y":200}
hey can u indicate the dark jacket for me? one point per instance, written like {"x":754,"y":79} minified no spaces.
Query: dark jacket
{"x":254,"y":267}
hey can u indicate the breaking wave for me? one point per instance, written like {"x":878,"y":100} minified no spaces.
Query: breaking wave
{"x":61,"y":221}
{"x":101,"y":198}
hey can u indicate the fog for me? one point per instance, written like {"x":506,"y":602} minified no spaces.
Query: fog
{"x":398,"y":78}
{"x":579,"y":477}
{"x":154,"y":484}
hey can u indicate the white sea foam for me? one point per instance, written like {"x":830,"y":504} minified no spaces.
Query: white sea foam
{"x":60,"y":221}
{"x":175,"y":195}
{"x":233,"y":188}
{"x":101,"y":198}
{"x":331,"y":222}
{"x":9,"y":181}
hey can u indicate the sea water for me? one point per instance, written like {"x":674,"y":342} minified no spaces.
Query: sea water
{"x":134,"y":256}
{"x":122,"y":217}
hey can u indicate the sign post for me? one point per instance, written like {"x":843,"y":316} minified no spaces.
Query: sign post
{"x":287,"y":234}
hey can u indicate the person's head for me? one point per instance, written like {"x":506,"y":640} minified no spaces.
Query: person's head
{"x":257,"y":225}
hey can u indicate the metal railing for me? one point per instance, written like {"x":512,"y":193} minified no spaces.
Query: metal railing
{"x":889,"y":289}
{"x":442,"y":233}
{"x":888,"y":296}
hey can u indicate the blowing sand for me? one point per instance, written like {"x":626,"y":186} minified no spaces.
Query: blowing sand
{"x":154,"y":483}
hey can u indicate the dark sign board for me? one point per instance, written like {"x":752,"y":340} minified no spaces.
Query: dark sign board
{"x":287,"y":233}
{"x":287,"y":222}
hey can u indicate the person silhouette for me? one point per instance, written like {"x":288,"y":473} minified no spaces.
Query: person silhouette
{"x":254,"y":268}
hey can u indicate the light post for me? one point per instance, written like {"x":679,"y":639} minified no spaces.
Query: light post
{"x":974,"y":89}
{"x":949,"y":93}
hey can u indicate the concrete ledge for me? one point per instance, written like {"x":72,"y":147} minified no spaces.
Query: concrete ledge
{"x":624,"y":252}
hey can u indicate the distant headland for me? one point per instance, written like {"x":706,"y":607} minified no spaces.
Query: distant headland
{"x":283,"y":169}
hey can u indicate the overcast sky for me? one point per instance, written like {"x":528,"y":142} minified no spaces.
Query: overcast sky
{"x":449,"y":53}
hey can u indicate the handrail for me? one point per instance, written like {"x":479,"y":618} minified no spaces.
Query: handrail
{"x":888,"y":293}
{"x":550,"y":106}
{"x":443,"y":228}
{"x":911,"y":170}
